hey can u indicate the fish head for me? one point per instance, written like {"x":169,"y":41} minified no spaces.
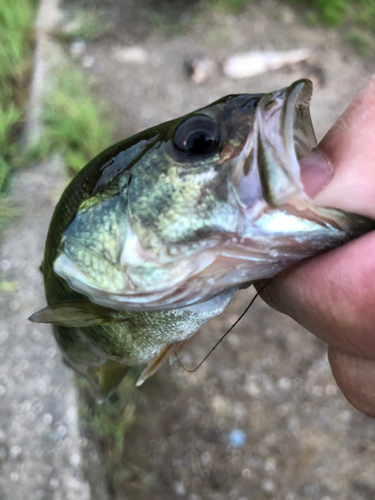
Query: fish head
{"x":205,"y":203}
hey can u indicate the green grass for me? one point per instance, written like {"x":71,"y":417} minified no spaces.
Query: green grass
{"x":362,"y":41}
{"x":16,"y":38}
{"x":76,"y":125}
{"x":108,"y":424}
{"x":354,"y":19}
{"x":16,"y":48}
{"x":109,"y":420}
{"x":16,"y":58}
{"x":330,"y":13}
{"x":333,"y":13}
{"x":336,"y":13}
{"x":8,"y":286}
{"x":7,"y":210}
{"x":229,"y":6}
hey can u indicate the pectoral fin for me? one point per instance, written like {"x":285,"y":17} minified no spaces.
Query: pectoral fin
{"x":156,"y":363}
{"x":76,"y":313}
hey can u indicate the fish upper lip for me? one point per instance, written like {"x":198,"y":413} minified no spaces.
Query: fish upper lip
{"x":282,"y":123}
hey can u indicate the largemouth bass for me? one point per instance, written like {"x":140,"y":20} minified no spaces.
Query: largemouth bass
{"x":157,"y":233}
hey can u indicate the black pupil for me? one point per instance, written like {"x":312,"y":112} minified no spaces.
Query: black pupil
{"x":199,"y":143}
{"x":198,"y":135}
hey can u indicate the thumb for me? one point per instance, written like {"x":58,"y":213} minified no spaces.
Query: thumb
{"x":349,"y":148}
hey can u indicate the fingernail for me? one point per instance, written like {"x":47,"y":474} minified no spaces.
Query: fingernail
{"x":316,"y":172}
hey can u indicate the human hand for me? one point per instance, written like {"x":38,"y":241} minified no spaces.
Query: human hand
{"x":333,"y":295}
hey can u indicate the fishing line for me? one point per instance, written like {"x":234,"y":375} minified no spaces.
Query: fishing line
{"x":225,"y":334}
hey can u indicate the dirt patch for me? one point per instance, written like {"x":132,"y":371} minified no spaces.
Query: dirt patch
{"x":270,"y":379}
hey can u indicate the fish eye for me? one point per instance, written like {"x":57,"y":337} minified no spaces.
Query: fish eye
{"x":198,"y":135}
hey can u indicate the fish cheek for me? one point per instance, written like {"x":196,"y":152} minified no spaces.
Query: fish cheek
{"x":94,"y":241}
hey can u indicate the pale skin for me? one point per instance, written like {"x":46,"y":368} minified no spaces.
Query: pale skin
{"x":333,"y":295}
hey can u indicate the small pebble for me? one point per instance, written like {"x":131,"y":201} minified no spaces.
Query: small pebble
{"x":14,"y":477}
{"x":201,"y":69}
{"x":270,"y":465}
{"x":331,"y":390}
{"x":252,"y":389}
{"x":135,"y":54}
{"x":15,"y":451}
{"x":345,"y":416}
{"x":268,"y":486}
{"x":47,"y":419}
{"x":246,"y":473}
{"x":3,"y":336}
{"x":206,"y":458}
{"x":237,"y":438}
{"x":317,"y":390}
{"x":4,"y":265}
{"x":14,"y":305}
{"x":39,"y":495}
{"x":51,"y":352}
{"x":62,"y":430}
{"x":77,"y":47}
{"x":75,"y":460}
{"x":88,"y":61}
{"x":285,"y":383}
{"x":179,"y":488}
{"x":270,"y":438}
{"x":54,"y":483}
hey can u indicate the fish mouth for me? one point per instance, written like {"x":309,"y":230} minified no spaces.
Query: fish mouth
{"x":282,"y":140}
{"x":283,"y":135}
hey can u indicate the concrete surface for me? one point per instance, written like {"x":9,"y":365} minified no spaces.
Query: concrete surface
{"x":42,"y":456}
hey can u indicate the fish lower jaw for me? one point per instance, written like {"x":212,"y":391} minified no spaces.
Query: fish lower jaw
{"x":220,"y":272}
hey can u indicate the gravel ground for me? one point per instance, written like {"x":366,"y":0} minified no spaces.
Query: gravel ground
{"x":42,"y":453}
{"x":262,"y":418}
{"x":270,"y":379}
{"x":40,"y":445}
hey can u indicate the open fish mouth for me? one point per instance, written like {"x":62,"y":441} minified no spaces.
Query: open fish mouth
{"x":268,"y":166}
{"x":273,"y":224}
{"x":284,"y":135}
